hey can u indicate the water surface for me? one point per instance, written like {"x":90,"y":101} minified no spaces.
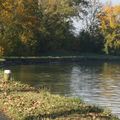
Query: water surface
{"x":95,"y":82}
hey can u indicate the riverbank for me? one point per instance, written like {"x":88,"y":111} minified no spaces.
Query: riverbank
{"x":22,"y":102}
{"x":57,"y":59}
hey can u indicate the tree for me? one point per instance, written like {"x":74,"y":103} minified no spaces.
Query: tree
{"x":90,"y":20}
{"x":57,"y":23}
{"x":110,"y":27}
{"x":31,"y":26}
{"x":18,"y":25}
{"x":90,"y":37}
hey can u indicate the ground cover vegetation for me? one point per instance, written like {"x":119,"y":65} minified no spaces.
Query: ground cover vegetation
{"x":22,"y":102}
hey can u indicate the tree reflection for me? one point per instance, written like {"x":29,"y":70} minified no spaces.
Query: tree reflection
{"x":97,"y":84}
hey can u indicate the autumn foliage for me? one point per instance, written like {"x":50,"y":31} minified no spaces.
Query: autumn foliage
{"x":32,"y":27}
{"x":110,"y":27}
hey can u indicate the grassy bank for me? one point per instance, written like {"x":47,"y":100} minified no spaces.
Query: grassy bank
{"x":22,"y":102}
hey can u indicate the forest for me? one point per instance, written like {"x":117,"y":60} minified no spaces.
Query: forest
{"x":40,"y":27}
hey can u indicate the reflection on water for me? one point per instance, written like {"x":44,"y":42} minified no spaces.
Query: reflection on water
{"x":97,"y":83}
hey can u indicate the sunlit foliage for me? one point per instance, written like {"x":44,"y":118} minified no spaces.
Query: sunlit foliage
{"x":30,"y":26}
{"x":110,"y":27}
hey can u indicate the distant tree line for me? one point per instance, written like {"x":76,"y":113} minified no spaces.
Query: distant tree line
{"x":36,"y":27}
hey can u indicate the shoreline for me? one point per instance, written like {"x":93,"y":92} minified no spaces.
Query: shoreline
{"x":57,"y":59}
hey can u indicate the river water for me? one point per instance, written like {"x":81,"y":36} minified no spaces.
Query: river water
{"x":95,"y":82}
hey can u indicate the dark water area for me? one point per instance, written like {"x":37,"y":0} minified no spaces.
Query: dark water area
{"x":95,"y":82}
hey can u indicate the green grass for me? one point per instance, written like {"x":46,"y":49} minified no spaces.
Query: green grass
{"x":23,"y":102}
